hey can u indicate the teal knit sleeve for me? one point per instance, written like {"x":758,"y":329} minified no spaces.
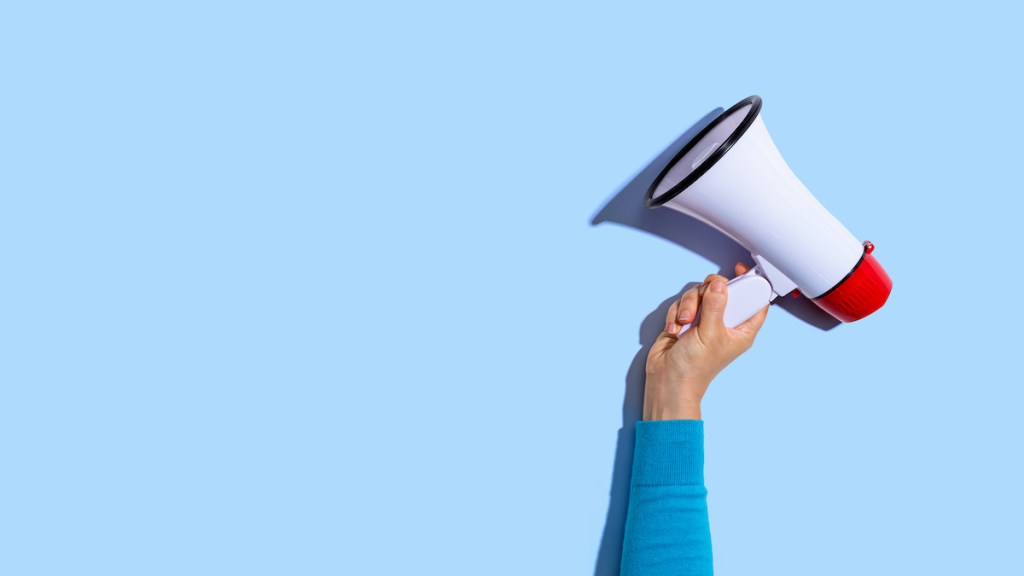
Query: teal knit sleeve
{"x":667,"y":529}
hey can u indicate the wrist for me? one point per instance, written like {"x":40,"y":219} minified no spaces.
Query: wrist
{"x":685,"y":410}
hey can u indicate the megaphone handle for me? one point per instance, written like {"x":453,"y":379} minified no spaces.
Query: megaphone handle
{"x":748,"y":293}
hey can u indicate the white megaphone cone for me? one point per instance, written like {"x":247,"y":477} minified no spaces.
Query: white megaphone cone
{"x":732,"y":177}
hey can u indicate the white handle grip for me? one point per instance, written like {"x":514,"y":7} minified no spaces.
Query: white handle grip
{"x":747,"y":295}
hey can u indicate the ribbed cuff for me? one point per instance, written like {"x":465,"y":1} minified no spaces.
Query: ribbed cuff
{"x":669,"y":453}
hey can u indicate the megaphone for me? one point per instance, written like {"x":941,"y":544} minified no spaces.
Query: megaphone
{"x":732,"y":177}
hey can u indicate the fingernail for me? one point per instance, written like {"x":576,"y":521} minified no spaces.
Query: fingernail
{"x":717,"y":286}
{"x":673,"y":328}
{"x":683,"y":318}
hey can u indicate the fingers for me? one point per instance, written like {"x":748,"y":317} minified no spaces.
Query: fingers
{"x":687,"y":309}
{"x":682,"y":311}
{"x":671,"y":325}
{"x":712,"y":306}
{"x":668,"y":337}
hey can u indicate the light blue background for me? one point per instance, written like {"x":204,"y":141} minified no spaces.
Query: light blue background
{"x":358,"y":288}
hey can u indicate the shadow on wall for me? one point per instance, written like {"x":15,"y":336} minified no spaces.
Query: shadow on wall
{"x":609,"y":556}
{"x":627,"y":208}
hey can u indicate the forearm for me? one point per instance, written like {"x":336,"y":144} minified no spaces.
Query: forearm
{"x":667,"y":530}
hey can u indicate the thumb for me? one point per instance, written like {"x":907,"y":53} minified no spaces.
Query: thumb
{"x":712,"y":307}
